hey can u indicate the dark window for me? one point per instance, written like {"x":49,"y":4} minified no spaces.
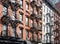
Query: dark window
{"x":27,"y":21}
{"x":47,"y":29}
{"x":47,"y":19}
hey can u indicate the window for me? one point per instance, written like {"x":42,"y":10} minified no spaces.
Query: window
{"x":27,"y":7}
{"x":21,"y":3}
{"x":13,"y":15}
{"x":4,"y":10}
{"x":27,"y":21}
{"x":21,"y":32}
{"x":47,"y":19}
{"x":32,"y":23}
{"x":47,"y":29}
{"x":21,"y":17}
{"x":32,"y":10}
{"x":44,"y":38}
{"x":44,"y":8}
{"x":44,"y":28}
{"x":27,"y":34}
{"x":47,"y":39}
{"x":41,"y":26}
{"x":36,"y":24}
{"x":44,"y":18}
{"x":4,"y":30}
{"x":36,"y":37}
{"x":36,"y":14}
{"x":13,"y":32}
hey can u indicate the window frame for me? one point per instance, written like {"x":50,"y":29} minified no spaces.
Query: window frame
{"x":27,"y":34}
{"x":5,"y":33}
{"x":5,"y":11}
{"x":27,"y":21}
{"x":27,"y":6}
{"x":21,"y":3}
{"x":21,"y":34}
{"x":21,"y":17}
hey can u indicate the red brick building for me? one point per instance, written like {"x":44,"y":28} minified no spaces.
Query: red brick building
{"x":57,"y":24}
{"x":20,"y":21}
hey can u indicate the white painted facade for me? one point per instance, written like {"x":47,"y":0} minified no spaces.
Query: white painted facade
{"x":47,"y":23}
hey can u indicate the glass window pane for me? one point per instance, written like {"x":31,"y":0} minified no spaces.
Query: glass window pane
{"x":13,"y":15}
{"x":13,"y":32}
{"x":21,"y":33}
{"x":4,"y":30}
{"x":4,"y":10}
{"x":20,"y":17}
{"x":27,"y":20}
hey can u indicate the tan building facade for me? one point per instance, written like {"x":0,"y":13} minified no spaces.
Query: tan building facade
{"x":21,"y":19}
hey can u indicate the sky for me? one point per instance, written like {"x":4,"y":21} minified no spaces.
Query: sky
{"x":53,"y":2}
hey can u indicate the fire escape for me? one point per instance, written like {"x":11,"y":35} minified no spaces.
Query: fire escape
{"x":6,"y":20}
{"x":37,"y":16}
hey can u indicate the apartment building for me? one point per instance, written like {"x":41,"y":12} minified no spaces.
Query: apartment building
{"x":56,"y":28}
{"x":20,"y":21}
{"x":47,"y":23}
{"x":57,"y":24}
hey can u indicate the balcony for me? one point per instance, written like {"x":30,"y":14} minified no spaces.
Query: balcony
{"x":33,"y":28}
{"x":14,"y":4}
{"x":5,"y":2}
{"x":37,"y":17}
{"x":32,"y":39}
{"x":40,"y":17}
{"x":38,"y":6}
{"x":13,"y":40}
{"x":14,"y":23}
{"x":5,"y":19}
{"x":33,"y":3}
{"x":32,"y":14}
{"x":40,"y":28}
